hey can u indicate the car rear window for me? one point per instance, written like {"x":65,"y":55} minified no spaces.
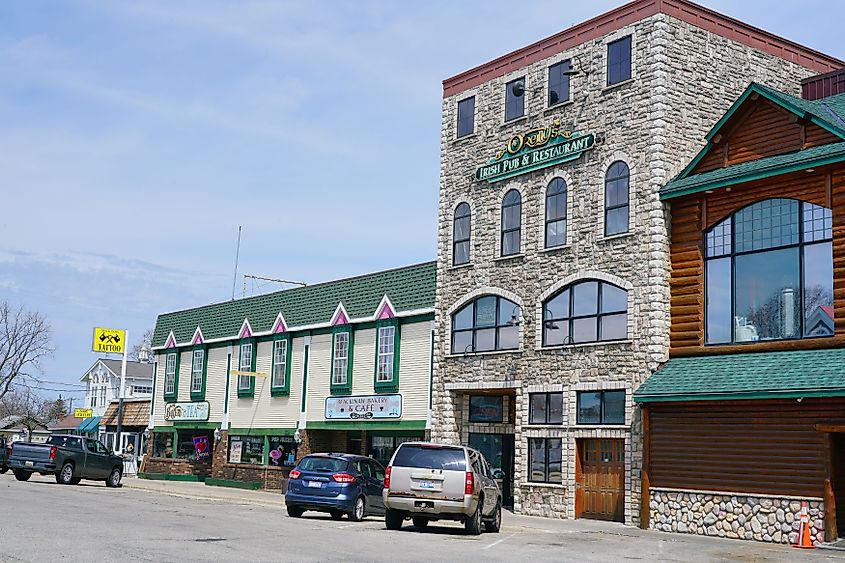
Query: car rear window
{"x":319,"y":463}
{"x":64,"y":441}
{"x":450,"y":459}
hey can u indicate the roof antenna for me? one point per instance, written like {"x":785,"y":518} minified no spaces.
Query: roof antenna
{"x":237,"y":255}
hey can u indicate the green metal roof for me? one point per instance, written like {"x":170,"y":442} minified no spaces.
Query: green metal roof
{"x":761,"y":375}
{"x":409,"y":289}
{"x":755,"y":170}
{"x":827,"y":113}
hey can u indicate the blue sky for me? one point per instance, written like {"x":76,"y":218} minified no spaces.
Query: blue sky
{"x":137,"y":136}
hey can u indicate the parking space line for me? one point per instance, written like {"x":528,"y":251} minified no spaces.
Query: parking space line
{"x":497,"y":542}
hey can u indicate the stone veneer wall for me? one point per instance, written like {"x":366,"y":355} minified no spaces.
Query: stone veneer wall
{"x":683,"y":79}
{"x":767,"y":519}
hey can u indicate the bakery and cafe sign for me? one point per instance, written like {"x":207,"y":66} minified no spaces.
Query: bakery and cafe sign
{"x":175,"y":412}
{"x":534,"y":150}
{"x":364,"y":407}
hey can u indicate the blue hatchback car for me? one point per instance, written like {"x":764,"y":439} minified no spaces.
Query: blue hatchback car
{"x":338,"y":484}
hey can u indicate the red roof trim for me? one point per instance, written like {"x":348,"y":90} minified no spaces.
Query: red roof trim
{"x":632,"y":12}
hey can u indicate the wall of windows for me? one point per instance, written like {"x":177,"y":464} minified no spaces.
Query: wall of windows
{"x":486,"y":324}
{"x":586,"y":311}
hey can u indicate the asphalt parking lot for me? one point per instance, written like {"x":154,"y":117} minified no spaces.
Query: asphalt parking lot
{"x":158,"y":521}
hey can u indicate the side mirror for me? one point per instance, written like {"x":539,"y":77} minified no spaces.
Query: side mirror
{"x":498,"y":474}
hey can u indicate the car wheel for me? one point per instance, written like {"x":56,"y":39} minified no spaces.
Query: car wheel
{"x":420,"y":522}
{"x":295,"y":511}
{"x":358,"y":510}
{"x":114,"y":478}
{"x":472,"y":524}
{"x":65,"y":474}
{"x":495,"y":524}
{"x":22,"y":475}
{"x":393,"y":519}
{"x":336,"y":514}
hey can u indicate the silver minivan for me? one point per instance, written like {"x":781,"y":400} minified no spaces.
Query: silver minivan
{"x":428,"y":482}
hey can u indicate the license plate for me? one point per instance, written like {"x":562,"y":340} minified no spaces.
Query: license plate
{"x":28,"y":463}
{"x":313,"y":484}
{"x":426,"y":484}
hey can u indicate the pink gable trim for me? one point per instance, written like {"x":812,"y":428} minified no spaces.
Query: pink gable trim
{"x":246,"y":333}
{"x":171,"y":341}
{"x":341,"y":319}
{"x":386,"y":313}
{"x":280,"y":327}
{"x":198,"y":339}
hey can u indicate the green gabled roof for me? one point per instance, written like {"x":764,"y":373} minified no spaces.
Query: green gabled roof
{"x":827,"y":113}
{"x":409,"y":289}
{"x":755,"y":170}
{"x":762,"y":375}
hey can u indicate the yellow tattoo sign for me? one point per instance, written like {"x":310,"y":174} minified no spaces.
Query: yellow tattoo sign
{"x":109,"y":340}
{"x":83,"y":413}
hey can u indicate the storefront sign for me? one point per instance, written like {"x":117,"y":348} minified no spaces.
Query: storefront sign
{"x":534,"y":150}
{"x":236,"y":451}
{"x":201,"y":446}
{"x":83,"y":413}
{"x":364,"y":407}
{"x":186,"y":411}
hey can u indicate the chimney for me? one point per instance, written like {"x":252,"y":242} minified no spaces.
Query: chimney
{"x":823,"y":85}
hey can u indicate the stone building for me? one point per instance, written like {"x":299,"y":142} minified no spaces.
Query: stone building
{"x":552,"y":301}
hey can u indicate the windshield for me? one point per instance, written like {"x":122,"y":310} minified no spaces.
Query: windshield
{"x":450,"y":459}
{"x":327,"y":464}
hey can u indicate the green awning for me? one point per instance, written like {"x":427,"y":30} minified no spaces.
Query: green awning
{"x":761,"y":375}
{"x":90,"y":425}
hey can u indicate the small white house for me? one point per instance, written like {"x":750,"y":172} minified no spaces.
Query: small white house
{"x":103,"y":387}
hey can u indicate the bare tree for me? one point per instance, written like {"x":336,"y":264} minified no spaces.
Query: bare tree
{"x":25,"y":340}
{"x":135,"y":353}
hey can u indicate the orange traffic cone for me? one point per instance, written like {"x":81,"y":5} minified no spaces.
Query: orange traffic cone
{"x":804,"y":541}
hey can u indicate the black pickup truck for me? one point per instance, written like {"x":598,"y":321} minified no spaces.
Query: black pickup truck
{"x":4,"y":455}
{"x":69,"y":458}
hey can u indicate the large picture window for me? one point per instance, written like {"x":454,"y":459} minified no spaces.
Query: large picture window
{"x":486,"y":324}
{"x":545,"y":408}
{"x":544,"y":460}
{"x":246,"y":449}
{"x":617,"y":184}
{"x":556,"y":213}
{"x":461,"y":233}
{"x":601,"y":407}
{"x":511,"y":223}
{"x":769,"y":273}
{"x":586,"y":311}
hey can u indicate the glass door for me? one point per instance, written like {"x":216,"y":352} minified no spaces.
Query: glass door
{"x":498,"y":450}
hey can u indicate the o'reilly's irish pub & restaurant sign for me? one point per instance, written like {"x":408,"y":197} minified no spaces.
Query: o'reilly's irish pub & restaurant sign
{"x":534,"y":150}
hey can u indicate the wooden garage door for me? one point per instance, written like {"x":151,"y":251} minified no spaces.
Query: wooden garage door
{"x":600,"y":480}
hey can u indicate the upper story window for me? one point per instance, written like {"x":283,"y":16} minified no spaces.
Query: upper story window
{"x":511,"y":223}
{"x":461,"y":234}
{"x":586,"y":311}
{"x":280,"y":360}
{"x":619,"y":61}
{"x":340,"y":359}
{"x":545,"y":408}
{"x":386,"y":347}
{"x":170,"y":375}
{"x":466,"y":117}
{"x":601,"y":407}
{"x":559,"y":82}
{"x":245,"y":364}
{"x":556,"y":213}
{"x":769,"y":273}
{"x":515,"y":99}
{"x":616,"y":188}
{"x":196,"y":371}
{"x":486,"y":324}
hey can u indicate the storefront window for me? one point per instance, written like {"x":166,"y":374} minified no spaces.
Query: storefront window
{"x":545,"y":459}
{"x":194,"y":445}
{"x":383,"y":447}
{"x":282,"y":451}
{"x":163,"y":444}
{"x":246,"y":449}
{"x":483,"y":408}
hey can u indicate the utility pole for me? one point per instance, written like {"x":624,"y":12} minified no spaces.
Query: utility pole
{"x":118,"y":443}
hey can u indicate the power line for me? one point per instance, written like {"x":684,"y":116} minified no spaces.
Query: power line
{"x":59,"y":382}
{"x":69,"y":391}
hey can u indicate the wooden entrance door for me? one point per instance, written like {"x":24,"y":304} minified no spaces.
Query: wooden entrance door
{"x":600,"y":479}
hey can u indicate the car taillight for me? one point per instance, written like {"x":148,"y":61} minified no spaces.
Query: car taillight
{"x":294,"y":474}
{"x":53,"y":452}
{"x":470,"y":483}
{"x":387,"y":477}
{"x":343,"y":478}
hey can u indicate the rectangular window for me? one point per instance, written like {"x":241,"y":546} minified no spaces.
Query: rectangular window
{"x":545,"y":408}
{"x":246,"y":449}
{"x":601,"y":407}
{"x":245,"y":364}
{"x":195,"y":445}
{"x":559,"y":82}
{"x":619,"y":61}
{"x":170,"y":375}
{"x":545,"y":456}
{"x":196,"y":371}
{"x":466,"y":117}
{"x":141,"y":389}
{"x":163,"y":444}
{"x":486,"y":408}
{"x":280,"y":360}
{"x":386,"y":337}
{"x":282,"y":451}
{"x":515,"y":99}
{"x":340,"y":359}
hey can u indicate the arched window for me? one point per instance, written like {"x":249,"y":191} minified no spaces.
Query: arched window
{"x":487,"y":323}
{"x":461,"y":234}
{"x":616,"y":188}
{"x":586,"y":311}
{"x":556,"y":213}
{"x":769,"y":273}
{"x":511,"y":223}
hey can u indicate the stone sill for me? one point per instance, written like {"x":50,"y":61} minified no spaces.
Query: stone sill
{"x":506,"y":124}
{"x":458,"y":140}
{"x":543,"y":485}
{"x":583,"y":345}
{"x":616,"y":237}
{"x":518,"y":256}
{"x":560,"y":105}
{"x":730,"y":494}
{"x":482,"y":354}
{"x":460,"y":266}
{"x":612,"y":87}
{"x":555,"y":248}
{"x":576,"y":427}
